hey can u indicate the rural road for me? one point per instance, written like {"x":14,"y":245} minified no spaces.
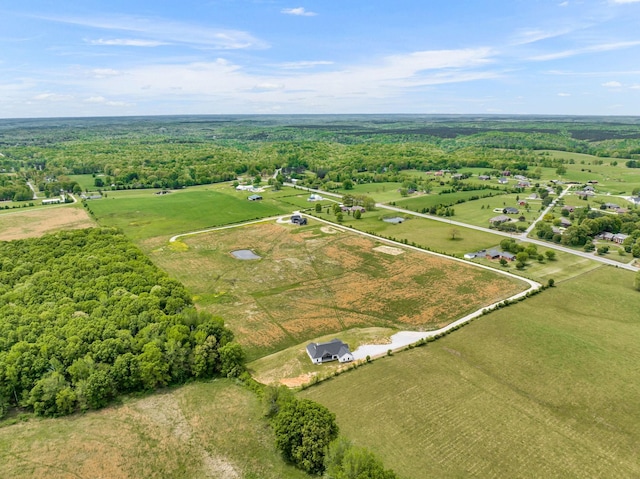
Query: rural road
{"x":521,"y":237}
{"x":547,"y":210}
{"x":35,"y":194}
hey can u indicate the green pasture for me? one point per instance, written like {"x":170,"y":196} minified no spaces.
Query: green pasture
{"x":87,"y":182}
{"x":617,"y":180}
{"x":548,"y":387}
{"x":563,"y":267}
{"x":212,"y":429}
{"x":479,"y":212}
{"x":418,"y":202}
{"x":142,"y":214}
{"x":426,"y":233}
{"x":381,"y":192}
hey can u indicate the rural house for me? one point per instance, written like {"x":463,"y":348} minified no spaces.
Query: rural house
{"x":254,"y":198}
{"x":331,"y":351}
{"x":496,"y":220}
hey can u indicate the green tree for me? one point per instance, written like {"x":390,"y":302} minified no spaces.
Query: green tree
{"x":232,"y":360}
{"x":550,"y":254}
{"x":357,"y":215}
{"x":318,"y":207}
{"x":345,"y":461}
{"x":347,"y":184}
{"x":304,"y":430}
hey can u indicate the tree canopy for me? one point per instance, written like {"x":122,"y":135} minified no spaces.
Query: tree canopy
{"x":84,"y":316}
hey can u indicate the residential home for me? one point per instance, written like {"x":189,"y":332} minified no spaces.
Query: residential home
{"x":254,"y":198}
{"x":510,"y":210}
{"x":503,"y":181}
{"x":331,"y":351}
{"x":496,"y":220}
{"x":564,"y":222}
{"x":619,"y":238}
{"x":484,"y":177}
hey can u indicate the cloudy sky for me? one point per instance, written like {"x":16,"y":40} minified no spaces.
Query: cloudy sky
{"x":142,"y":57}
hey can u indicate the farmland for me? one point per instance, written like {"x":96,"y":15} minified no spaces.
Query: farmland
{"x":314,"y":280}
{"x":206,"y":429}
{"x":544,"y":388}
{"x":143,"y":214}
{"x":30,"y":223}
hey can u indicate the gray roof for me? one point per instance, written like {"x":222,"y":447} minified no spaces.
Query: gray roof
{"x":335,"y":347}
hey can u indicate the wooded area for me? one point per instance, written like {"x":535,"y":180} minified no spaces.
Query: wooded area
{"x":85,"y":316}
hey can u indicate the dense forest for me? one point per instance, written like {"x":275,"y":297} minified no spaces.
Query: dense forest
{"x":85,"y":316}
{"x":172,"y":152}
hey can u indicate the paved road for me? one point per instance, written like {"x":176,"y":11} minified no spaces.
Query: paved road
{"x":35,"y":194}
{"x":448,"y":220}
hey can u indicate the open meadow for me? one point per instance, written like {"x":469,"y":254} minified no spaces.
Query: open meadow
{"x":425,"y":233}
{"x":142,"y":214}
{"x":544,"y":388}
{"x":204,"y":429}
{"x":31,"y":223}
{"x":317,"y":280}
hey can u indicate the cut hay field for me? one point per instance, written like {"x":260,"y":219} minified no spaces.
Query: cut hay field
{"x":142,"y":214}
{"x":418,"y":202}
{"x":28,"y":223}
{"x":213,"y":429}
{"x":549,"y":387}
{"x":317,"y":280}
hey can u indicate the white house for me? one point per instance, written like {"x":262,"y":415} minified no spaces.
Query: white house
{"x":331,"y":351}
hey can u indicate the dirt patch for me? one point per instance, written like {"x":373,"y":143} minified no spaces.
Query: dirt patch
{"x":330,"y":230}
{"x":35,"y":223}
{"x":388,"y":250}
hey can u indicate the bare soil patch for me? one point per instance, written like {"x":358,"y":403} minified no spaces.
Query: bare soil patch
{"x":35,"y":223}
{"x":388,"y":250}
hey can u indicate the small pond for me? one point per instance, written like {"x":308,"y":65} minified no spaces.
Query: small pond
{"x":244,"y":254}
{"x":395,"y":220}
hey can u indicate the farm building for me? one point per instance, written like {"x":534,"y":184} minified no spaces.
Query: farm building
{"x":254,"y":198}
{"x":510,"y":210}
{"x":315,"y":197}
{"x":52,"y":201}
{"x":484,"y":177}
{"x":331,"y":351}
{"x":503,"y":181}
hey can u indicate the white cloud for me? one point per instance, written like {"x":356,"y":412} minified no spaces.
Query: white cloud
{"x":299,"y":11}
{"x":635,"y":87}
{"x":304,"y":64}
{"x":104,"y":72}
{"x":533,"y":35}
{"x":266,"y":86}
{"x":620,"y":2}
{"x":604,"y":47}
{"x":563,"y":4}
{"x":163,"y":31}
{"x":103,"y":101}
{"x":564,"y":94}
{"x":52,"y":97}
{"x":127,"y":42}
{"x":612,"y":84}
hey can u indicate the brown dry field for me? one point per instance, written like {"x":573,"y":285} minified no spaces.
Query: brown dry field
{"x":309,"y":283}
{"x":31,"y":224}
{"x":201,"y":430}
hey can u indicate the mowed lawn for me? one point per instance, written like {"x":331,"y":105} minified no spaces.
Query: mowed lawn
{"x":212,"y":429}
{"x":549,"y":387}
{"x":142,"y":214}
{"x":316,"y":280}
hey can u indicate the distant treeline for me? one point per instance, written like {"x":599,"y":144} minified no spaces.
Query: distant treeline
{"x":172,"y":152}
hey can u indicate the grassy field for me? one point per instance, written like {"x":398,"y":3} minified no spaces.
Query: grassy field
{"x":212,"y":429}
{"x":418,"y":202}
{"x":612,"y":179}
{"x":426,"y":233}
{"x":141,"y":214}
{"x":316,"y":280}
{"x":549,"y":387}
{"x":381,"y":192}
{"x":472,"y":212}
{"x":30,"y":223}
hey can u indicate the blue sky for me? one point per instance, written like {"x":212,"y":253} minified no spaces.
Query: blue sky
{"x":139,"y":57}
